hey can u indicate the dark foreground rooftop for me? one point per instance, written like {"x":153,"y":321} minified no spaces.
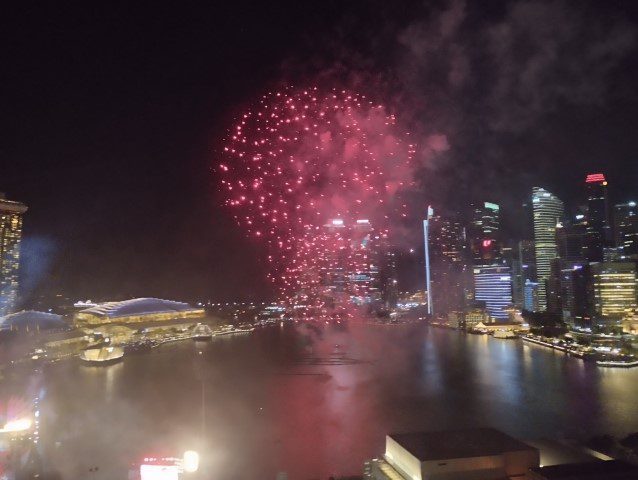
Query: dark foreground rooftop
{"x":469,"y":443}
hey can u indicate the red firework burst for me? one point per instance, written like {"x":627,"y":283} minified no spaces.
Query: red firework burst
{"x":300,"y":158}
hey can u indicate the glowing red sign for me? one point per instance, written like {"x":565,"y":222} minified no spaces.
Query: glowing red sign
{"x":487,"y":243}
{"x":595,"y":178}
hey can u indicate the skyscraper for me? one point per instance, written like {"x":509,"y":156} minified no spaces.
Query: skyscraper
{"x":428,"y":267}
{"x":548,"y":211}
{"x":531,"y":296}
{"x":351,"y":272}
{"x":614,"y":291}
{"x":571,"y":240}
{"x":10,"y":235}
{"x":523,"y":269}
{"x":493,"y":285}
{"x":626,"y":229}
{"x":575,"y":302}
{"x":484,"y":233}
{"x":598,"y":208}
{"x":447,"y":249}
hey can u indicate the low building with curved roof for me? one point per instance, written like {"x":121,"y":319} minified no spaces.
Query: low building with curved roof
{"x":31,"y":320}
{"x":137,"y":310}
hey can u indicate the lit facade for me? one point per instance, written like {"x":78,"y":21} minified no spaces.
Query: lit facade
{"x":493,"y":285}
{"x":614,"y":290}
{"x":626,"y":229}
{"x":575,"y":303}
{"x":523,"y":269}
{"x":484,"y":233}
{"x":136,"y":310}
{"x":475,"y":315}
{"x":350,"y":264}
{"x":428,"y":266}
{"x":531,"y":296}
{"x":548,"y":212}
{"x":10,"y":235}
{"x":448,"y":268}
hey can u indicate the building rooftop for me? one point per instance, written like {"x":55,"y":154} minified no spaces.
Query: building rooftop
{"x":11,"y":206}
{"x":468,"y":443}
{"x":137,"y":306}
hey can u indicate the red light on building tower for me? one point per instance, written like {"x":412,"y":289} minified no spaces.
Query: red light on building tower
{"x":595,"y":178}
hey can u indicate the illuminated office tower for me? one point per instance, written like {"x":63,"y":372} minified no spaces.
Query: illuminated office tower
{"x":10,"y":234}
{"x":484,"y":233}
{"x":575,"y":302}
{"x":572,"y":241}
{"x":428,"y":269}
{"x":523,"y":269}
{"x":614,"y":290}
{"x":626,"y":229}
{"x":531,"y":296}
{"x":448,"y":268}
{"x":493,"y":285}
{"x":349,"y":265}
{"x":365,"y":257}
{"x":598,"y":208}
{"x":548,"y":212}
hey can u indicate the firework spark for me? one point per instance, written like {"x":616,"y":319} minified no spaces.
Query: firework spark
{"x":303,"y":157}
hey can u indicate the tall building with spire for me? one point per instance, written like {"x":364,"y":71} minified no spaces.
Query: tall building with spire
{"x":548,"y":212}
{"x":10,"y":235}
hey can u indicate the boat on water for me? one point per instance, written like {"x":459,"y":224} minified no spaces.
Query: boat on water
{"x":102,"y":355}
{"x":231,"y":330}
{"x":202,"y":332}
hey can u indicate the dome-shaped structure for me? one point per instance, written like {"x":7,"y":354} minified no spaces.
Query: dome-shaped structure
{"x":137,"y":310}
{"x":32,"y":320}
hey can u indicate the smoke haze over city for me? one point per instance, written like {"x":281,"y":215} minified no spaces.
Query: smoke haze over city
{"x":115,"y":119}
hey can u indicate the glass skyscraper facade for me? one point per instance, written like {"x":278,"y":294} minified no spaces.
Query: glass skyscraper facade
{"x":10,"y":236}
{"x":548,"y":211}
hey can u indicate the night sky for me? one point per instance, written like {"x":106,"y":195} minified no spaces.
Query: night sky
{"x":113,"y":116}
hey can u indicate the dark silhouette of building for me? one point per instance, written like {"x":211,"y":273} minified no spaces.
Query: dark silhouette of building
{"x":626,"y":229}
{"x":598,"y":210}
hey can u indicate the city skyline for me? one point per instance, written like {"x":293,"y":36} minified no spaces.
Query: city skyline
{"x":260,"y":239}
{"x":472,"y":241}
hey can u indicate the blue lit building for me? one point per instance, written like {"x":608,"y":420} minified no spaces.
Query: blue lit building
{"x":493,"y":285}
{"x":531,"y":296}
